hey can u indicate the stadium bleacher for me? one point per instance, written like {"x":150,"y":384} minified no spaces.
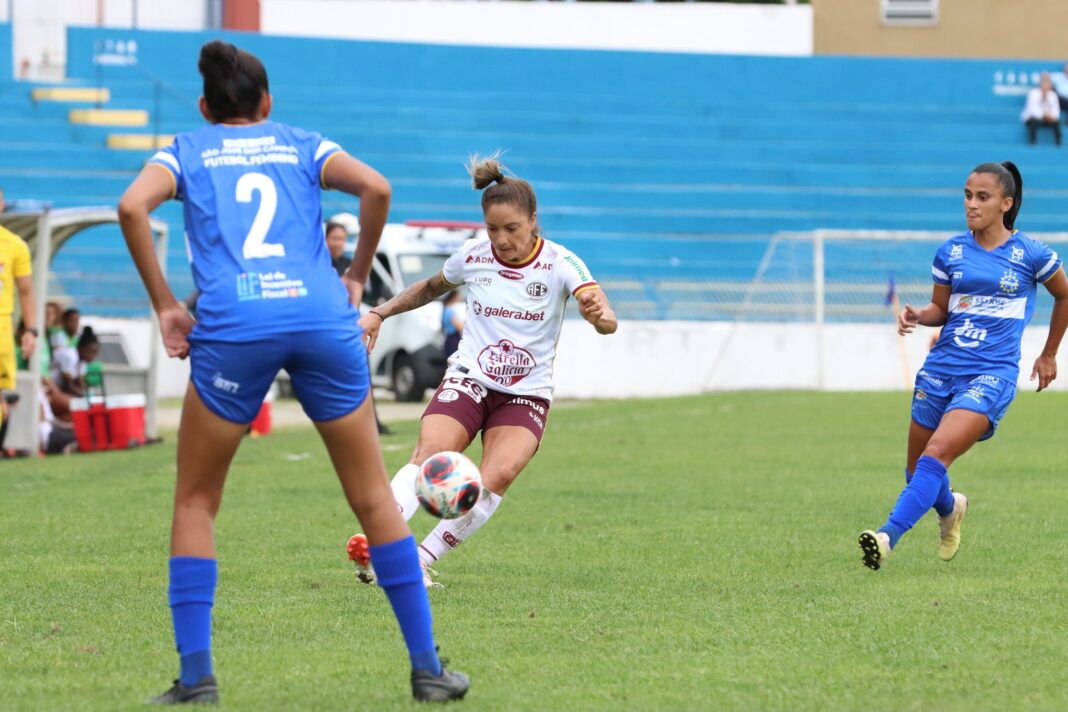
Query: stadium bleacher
{"x":667,"y":173}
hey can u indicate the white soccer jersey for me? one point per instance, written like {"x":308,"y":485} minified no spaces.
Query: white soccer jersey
{"x":514,"y":314}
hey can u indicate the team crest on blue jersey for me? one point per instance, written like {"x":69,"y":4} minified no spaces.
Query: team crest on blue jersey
{"x":1017,"y":255}
{"x":956,"y":252}
{"x":1010,"y":282}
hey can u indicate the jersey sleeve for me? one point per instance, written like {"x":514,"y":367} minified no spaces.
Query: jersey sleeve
{"x":453,"y":269}
{"x":1045,"y":261}
{"x":940,"y":266}
{"x":22,"y":265}
{"x":167,"y":159}
{"x":325,"y":151}
{"x":577,"y":278}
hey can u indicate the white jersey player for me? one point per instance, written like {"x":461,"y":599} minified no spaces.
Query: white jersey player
{"x":500,"y":379}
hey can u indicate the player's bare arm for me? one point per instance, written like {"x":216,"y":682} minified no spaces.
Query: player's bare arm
{"x":349,"y":175}
{"x":1045,"y":368}
{"x":594,"y":308}
{"x":415,"y":296}
{"x":934,"y":314}
{"x":153,"y":186}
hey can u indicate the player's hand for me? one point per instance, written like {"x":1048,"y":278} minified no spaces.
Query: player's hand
{"x":28,"y":344}
{"x":591,"y":305}
{"x":370,"y":322}
{"x":354,"y":288}
{"x":175,"y":323}
{"x":907,"y":320}
{"x":1045,"y":370}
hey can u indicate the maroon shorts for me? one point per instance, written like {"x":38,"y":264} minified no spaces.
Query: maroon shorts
{"x":479,"y":408}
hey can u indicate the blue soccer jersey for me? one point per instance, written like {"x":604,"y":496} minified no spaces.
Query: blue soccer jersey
{"x":992,"y":300}
{"x":254,"y":232}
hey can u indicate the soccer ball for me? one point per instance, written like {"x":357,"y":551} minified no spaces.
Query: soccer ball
{"x":448,"y":485}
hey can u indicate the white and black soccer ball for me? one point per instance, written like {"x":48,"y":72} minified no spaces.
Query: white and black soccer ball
{"x":448,"y":485}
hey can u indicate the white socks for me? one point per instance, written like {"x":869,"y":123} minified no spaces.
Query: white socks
{"x":450,"y":533}
{"x":403,"y":486}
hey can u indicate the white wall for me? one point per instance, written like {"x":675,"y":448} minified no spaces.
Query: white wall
{"x":39,"y":32}
{"x":659,"y":358}
{"x":719,"y":28}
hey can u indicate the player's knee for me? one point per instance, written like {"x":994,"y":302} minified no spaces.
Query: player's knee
{"x":939,"y":451}
{"x":498,"y":478}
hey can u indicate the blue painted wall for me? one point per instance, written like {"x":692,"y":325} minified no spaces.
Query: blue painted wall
{"x":6,"y":60}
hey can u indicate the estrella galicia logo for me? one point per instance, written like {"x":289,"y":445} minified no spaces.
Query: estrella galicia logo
{"x":537,"y":290}
{"x":1009,"y":282}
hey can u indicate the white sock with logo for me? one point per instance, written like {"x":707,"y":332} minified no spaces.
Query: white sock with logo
{"x":450,"y":533}
{"x":403,"y":486}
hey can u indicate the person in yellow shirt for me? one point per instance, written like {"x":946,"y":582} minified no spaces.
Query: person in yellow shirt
{"x":15,"y":272}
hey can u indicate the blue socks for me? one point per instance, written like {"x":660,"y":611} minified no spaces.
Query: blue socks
{"x":191,"y":594}
{"x":401,"y":577}
{"x":928,"y":487}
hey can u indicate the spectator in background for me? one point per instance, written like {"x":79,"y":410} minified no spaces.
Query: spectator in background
{"x":15,"y":276}
{"x":65,"y":334}
{"x":72,"y":365}
{"x":336,"y":236}
{"x":1043,"y":109}
{"x":1060,"y":87}
{"x":452,"y":320}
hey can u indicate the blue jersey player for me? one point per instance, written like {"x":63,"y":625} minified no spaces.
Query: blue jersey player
{"x":270,"y":299}
{"x":985,"y":283}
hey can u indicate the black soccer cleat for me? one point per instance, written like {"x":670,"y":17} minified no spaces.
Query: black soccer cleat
{"x":449,"y":685}
{"x":205,"y":692}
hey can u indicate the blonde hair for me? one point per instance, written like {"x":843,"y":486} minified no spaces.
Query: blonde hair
{"x":487,"y":175}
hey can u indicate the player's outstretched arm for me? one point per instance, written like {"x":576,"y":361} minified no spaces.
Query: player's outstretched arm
{"x":355,"y":177}
{"x":415,"y":296}
{"x":145,"y":194}
{"x":1045,"y":368}
{"x":594,"y":308}
{"x":934,"y":314}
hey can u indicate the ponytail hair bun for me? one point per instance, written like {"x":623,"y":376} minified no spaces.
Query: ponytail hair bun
{"x":234,"y":81}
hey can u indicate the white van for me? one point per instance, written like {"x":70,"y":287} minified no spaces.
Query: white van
{"x":408,"y":357}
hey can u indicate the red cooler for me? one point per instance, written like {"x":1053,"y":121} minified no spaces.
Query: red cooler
{"x":90,"y":423}
{"x":126,"y":420}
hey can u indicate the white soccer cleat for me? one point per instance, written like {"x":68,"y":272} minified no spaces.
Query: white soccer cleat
{"x":428,"y":581}
{"x":949,"y":528}
{"x":876,"y":548}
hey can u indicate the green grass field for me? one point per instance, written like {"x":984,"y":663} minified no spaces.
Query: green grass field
{"x":684,"y":554}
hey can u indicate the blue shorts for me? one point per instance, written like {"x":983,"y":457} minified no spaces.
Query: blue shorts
{"x":328,"y":370}
{"x":936,"y":394}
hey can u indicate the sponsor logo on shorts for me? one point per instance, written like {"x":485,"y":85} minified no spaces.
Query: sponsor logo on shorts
{"x":930,"y":379}
{"x":921,"y":394}
{"x":476,"y":391}
{"x":510,"y":274}
{"x":537,"y":290}
{"x":992,"y":381}
{"x":475,"y":260}
{"x":529,"y":403}
{"x":489,"y":312}
{"x":506,"y":363}
{"x":448,"y":395}
{"x":451,"y":539}
{"x":976,"y":393}
{"x":543,"y":265}
{"x":968,"y":335}
{"x":223,"y":384}
{"x":537,"y":420}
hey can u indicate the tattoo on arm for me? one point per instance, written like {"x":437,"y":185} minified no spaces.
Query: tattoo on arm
{"x":421,"y":293}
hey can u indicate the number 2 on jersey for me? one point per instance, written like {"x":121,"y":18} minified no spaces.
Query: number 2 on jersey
{"x":255,"y":246}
